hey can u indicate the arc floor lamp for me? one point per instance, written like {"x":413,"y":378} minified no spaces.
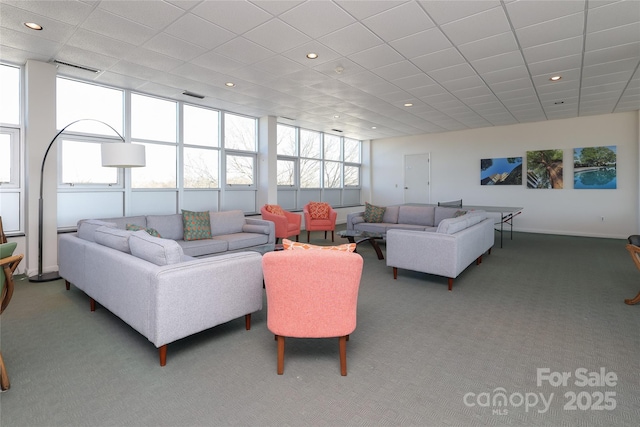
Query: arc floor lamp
{"x":114,"y":154}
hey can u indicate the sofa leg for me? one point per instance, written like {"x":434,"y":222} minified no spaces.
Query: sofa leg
{"x":450,"y":283}
{"x":67,"y":284}
{"x":479,"y":260}
{"x":280,"y":355}
{"x":343,"y":355}
{"x":489,"y":252}
{"x":92,"y":304}
{"x":332,"y":236}
{"x":395,"y":273}
{"x":162,"y":352}
{"x":297,"y":237}
{"x":308,"y":236}
{"x":247,"y":321}
{"x":325,"y":234}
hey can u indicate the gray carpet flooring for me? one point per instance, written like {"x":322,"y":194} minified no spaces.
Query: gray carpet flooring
{"x":489,"y":353}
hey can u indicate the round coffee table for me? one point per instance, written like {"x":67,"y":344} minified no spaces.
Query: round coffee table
{"x":357,"y":237}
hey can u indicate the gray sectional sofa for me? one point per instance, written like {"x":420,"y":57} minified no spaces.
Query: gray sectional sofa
{"x":432,"y":239}
{"x":403,"y":217}
{"x":155,"y":287}
{"x":446,"y":251}
{"x":231,"y":231}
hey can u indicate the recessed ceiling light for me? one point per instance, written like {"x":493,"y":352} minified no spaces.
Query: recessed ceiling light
{"x":555,"y":78}
{"x":312,"y":55}
{"x":408,"y":104}
{"x":337,"y":116}
{"x":374,"y":127}
{"x":230,"y":84}
{"x":33,"y":26}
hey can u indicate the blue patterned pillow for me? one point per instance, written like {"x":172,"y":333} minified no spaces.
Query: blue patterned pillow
{"x":196,"y":225}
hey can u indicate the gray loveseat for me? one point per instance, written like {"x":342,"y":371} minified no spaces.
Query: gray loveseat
{"x":150,"y":283}
{"x":445,"y":251}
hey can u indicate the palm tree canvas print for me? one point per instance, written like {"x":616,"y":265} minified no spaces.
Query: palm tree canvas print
{"x":544,"y":169}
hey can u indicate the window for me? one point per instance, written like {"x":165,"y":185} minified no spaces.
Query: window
{"x":200,"y":168}
{"x":286,"y":141}
{"x":82,"y":163}
{"x":160,"y":169}
{"x":239,"y":133}
{"x":11,"y":173}
{"x":325,"y":162}
{"x":201,"y":155}
{"x":10,"y":90}
{"x":76,"y":100}
{"x":240,"y":169}
{"x":153,"y":119}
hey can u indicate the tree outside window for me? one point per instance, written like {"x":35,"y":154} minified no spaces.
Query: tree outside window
{"x":286,"y":143}
{"x":200,"y":168}
{"x":286,"y":172}
{"x":310,"y":173}
{"x":239,"y":133}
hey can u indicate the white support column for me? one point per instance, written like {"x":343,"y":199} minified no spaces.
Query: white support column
{"x":40,"y":127}
{"x":267,"y":161}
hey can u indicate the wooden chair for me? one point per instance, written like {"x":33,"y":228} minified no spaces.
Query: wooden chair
{"x":8,"y":264}
{"x":634,"y":249}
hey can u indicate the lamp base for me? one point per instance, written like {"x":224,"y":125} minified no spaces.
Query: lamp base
{"x":45,"y":277}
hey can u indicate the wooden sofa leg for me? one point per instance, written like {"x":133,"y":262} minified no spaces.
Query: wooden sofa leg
{"x":92,"y":304}
{"x":450,"y":283}
{"x":67,"y":284}
{"x":297,"y":237}
{"x":490,"y":250}
{"x":280,"y":355}
{"x":247,"y":321}
{"x":162,"y":352}
{"x":479,"y":260}
{"x":343,"y":355}
{"x":308,"y":236}
{"x":395,"y":273}
{"x":332,"y":236}
{"x":632,"y":301}
{"x":4,"y":377}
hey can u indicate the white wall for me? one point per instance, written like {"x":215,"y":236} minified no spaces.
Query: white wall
{"x":455,"y":173}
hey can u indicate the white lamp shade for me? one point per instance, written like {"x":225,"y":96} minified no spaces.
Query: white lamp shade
{"x":123,"y":155}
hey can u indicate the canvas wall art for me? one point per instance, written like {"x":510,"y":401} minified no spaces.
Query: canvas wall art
{"x":595,"y":168}
{"x":501,"y":171}
{"x":544,"y":169}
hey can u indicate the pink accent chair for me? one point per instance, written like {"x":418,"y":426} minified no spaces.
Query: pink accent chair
{"x":287,"y":225}
{"x":311,"y":224}
{"x":305,"y":299}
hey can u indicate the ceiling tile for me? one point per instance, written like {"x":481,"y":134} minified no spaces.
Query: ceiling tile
{"x":155,"y":15}
{"x":498,"y":62}
{"x":377,"y":56}
{"x":613,"y":15}
{"x":243,"y":50}
{"x":174,"y":47}
{"x":555,"y":66}
{"x":553,"y":50}
{"x":624,"y":34}
{"x":114,"y":26}
{"x":413,"y":18}
{"x":397,"y":70}
{"x":422,"y":43}
{"x":236,"y":16}
{"x":550,"y":31}
{"x":443,"y":13}
{"x":364,"y":9}
{"x":316,"y":19}
{"x":442,"y":59}
{"x":484,"y":24}
{"x":351,"y":39}
{"x":525,"y":13}
{"x":196,"y":30}
{"x":277,"y":36}
{"x":489,"y":46}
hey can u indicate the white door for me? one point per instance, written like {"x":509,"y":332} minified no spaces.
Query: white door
{"x":417,"y":175}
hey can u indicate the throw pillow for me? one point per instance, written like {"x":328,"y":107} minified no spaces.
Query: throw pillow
{"x":291,"y":245}
{"x":152,"y":231}
{"x":274,"y":209}
{"x":196,"y":225}
{"x":459,"y":213}
{"x":373,"y":213}
{"x":318,"y":210}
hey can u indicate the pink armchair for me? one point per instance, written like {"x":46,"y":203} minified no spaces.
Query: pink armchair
{"x":305,"y":299}
{"x":319,"y":217}
{"x":287,"y":223}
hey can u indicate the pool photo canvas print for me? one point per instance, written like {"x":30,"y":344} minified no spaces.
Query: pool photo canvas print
{"x":501,"y":171}
{"x":595,"y":168}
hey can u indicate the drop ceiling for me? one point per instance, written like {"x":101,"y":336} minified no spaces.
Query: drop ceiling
{"x":462,"y":64}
